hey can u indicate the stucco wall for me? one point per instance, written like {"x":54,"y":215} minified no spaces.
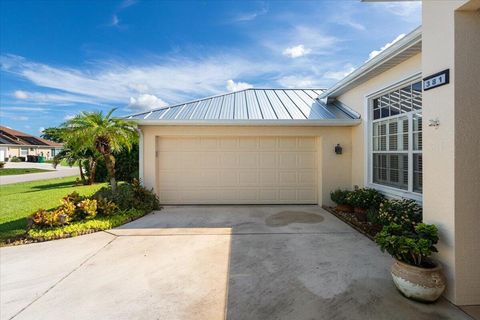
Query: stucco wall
{"x":356,"y":100}
{"x":334,"y":170}
{"x":451,"y":39}
{"x":467,"y":155}
{"x":15,"y":151}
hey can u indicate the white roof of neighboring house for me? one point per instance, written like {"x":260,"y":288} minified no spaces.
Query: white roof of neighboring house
{"x":254,"y":106}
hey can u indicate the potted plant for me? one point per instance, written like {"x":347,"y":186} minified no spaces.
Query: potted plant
{"x":340,"y":198}
{"x":415,"y":275}
{"x":363,"y":199}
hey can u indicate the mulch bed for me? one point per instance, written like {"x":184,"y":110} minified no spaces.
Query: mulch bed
{"x":366,"y":228}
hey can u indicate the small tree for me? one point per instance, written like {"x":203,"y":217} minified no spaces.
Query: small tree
{"x":104,"y":133}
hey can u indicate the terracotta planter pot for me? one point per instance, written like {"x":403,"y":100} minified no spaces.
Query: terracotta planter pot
{"x":421,"y":284}
{"x":361,"y":214}
{"x":344,"y":208}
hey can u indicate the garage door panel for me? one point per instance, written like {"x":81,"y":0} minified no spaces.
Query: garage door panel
{"x":287,"y":160}
{"x":228,"y":178}
{"x":267,"y":143}
{"x":268,"y":177}
{"x":306,"y":160}
{"x":223,"y":170}
{"x":248,"y":160}
{"x":267,"y":160}
{"x":306,"y":143}
{"x":209,"y":160}
{"x":287,"y":143}
{"x":248,"y":178}
{"x":287,"y":178}
{"x":229,"y":159}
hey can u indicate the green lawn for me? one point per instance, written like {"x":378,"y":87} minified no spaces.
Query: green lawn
{"x":12,"y":171}
{"x":19,"y":200}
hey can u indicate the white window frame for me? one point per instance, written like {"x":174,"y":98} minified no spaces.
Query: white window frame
{"x":368,"y":133}
{"x":21,"y":152}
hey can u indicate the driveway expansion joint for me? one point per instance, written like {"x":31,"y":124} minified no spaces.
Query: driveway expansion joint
{"x":63,"y":278}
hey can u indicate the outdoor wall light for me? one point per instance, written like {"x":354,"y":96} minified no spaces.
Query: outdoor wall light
{"x":338,"y":149}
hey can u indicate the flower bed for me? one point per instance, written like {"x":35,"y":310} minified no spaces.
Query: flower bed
{"x":79,"y":215}
{"x":367,"y":228}
{"x":378,"y":211}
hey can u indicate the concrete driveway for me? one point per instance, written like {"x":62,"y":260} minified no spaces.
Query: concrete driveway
{"x":210,"y":262}
{"x":58,"y":172}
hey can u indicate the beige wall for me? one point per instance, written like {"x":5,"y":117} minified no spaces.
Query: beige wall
{"x":334,"y":170}
{"x":451,"y":39}
{"x":467,"y":154}
{"x":356,"y":100}
{"x":15,"y":151}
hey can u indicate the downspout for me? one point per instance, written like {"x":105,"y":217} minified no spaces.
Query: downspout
{"x":140,"y":156}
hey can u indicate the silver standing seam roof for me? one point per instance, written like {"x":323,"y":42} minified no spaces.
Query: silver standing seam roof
{"x":250,"y":106}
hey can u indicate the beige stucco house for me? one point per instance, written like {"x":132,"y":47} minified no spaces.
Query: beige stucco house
{"x":14,"y":143}
{"x":406,"y":121}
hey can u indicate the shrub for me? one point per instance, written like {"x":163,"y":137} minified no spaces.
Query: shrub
{"x":412,"y":247}
{"x":88,"y":208}
{"x":406,"y":213}
{"x":15,"y":159}
{"x":106,"y":207}
{"x":42,"y":217}
{"x":340,"y":196}
{"x":2,"y":164}
{"x":365,"y":198}
{"x":372,"y":216}
{"x":74,"y":197}
{"x":85,"y":226}
{"x":130,"y":196}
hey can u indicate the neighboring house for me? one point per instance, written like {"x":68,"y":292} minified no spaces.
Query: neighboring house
{"x":271,"y":146}
{"x":18,"y":144}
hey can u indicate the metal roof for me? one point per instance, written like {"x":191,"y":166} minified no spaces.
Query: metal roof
{"x":251,"y":106}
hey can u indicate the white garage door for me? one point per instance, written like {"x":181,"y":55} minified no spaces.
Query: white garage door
{"x":237,"y":170}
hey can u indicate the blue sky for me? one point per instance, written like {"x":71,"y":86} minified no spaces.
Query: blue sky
{"x":61,"y":57}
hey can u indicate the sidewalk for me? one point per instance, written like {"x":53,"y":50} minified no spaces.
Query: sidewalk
{"x":59,"y":172}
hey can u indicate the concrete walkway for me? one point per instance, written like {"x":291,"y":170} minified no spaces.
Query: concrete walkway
{"x":210,"y":262}
{"x":58,"y":172}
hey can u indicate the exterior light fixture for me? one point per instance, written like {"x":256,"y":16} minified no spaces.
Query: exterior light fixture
{"x":338,"y":149}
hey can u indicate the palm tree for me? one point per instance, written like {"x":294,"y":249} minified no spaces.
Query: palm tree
{"x":71,"y":156}
{"x":104,"y":133}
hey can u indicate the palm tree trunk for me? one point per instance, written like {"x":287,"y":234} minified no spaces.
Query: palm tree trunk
{"x":110,"y":164}
{"x":81,"y":172}
{"x":92,"y":169}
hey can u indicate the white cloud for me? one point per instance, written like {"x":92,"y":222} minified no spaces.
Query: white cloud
{"x":146,"y":102}
{"x":374,"y":53}
{"x":68,"y":117}
{"x":24,"y":108}
{"x":296,"y":51}
{"x":41,"y":129}
{"x":12,"y":116}
{"x":340,"y":74}
{"x":299,"y":41}
{"x":294,"y":81}
{"x":115,"y":21}
{"x":113,"y":82}
{"x":406,"y":9}
{"x":19,"y":94}
{"x":249,"y":16}
{"x":237,"y":86}
{"x":127,"y":3}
